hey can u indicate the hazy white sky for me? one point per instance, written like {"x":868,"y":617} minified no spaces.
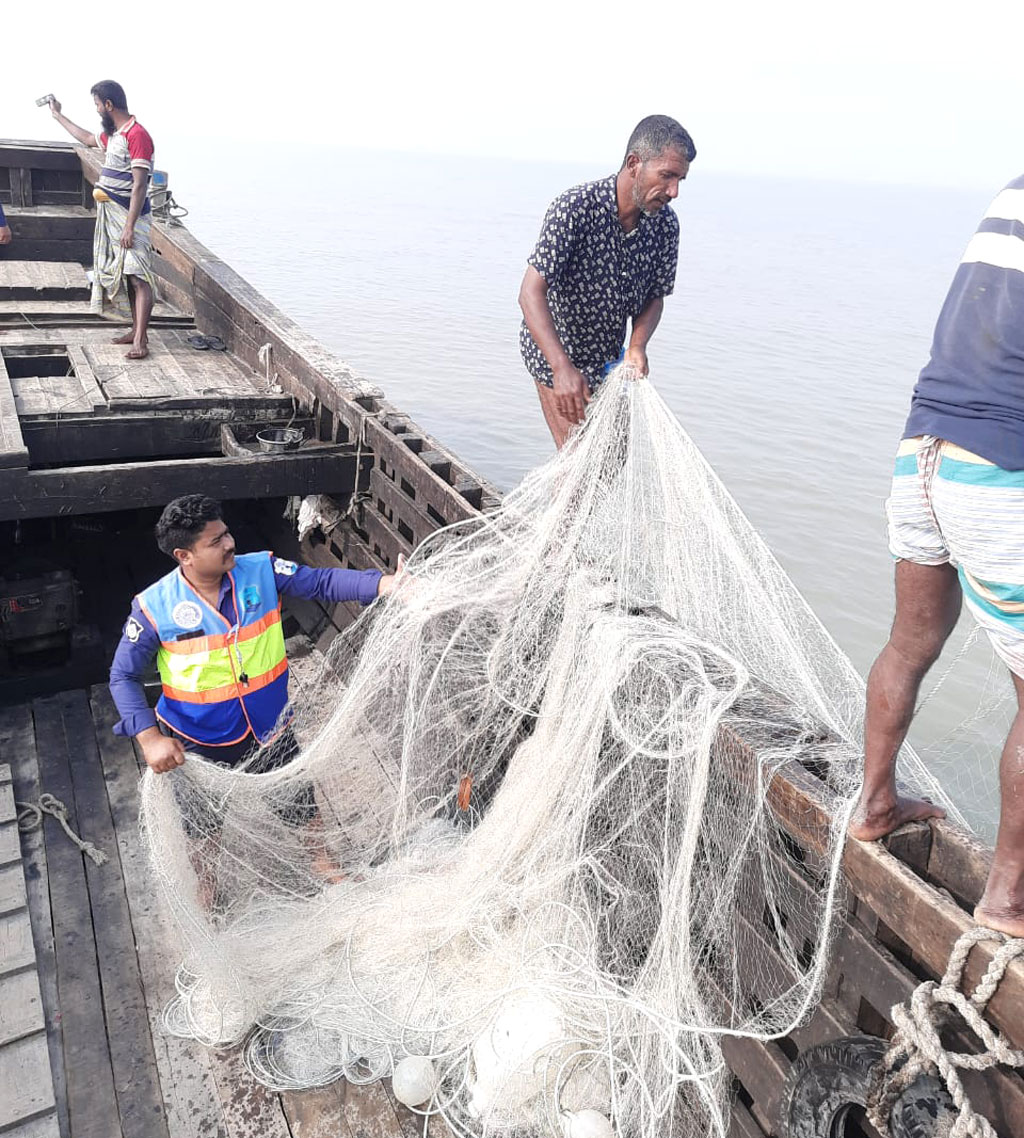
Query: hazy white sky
{"x":882,"y":90}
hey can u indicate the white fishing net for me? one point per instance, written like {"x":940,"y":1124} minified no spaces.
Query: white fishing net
{"x":541,"y":856}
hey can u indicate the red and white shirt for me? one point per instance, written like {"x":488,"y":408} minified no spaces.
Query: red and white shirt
{"x":127,"y":148}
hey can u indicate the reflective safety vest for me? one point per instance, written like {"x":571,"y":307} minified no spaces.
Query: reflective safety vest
{"x":221,"y":679}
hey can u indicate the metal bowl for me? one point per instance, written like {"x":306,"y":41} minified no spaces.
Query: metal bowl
{"x":277,"y":440}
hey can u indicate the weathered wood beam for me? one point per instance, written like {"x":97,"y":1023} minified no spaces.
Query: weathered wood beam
{"x":128,"y":436}
{"x":38,"y":249}
{"x":930,"y":922}
{"x":39,"y":155}
{"x":133,"y":485}
{"x":51,"y":223}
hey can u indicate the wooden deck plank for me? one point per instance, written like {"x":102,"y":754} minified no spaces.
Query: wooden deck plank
{"x":136,"y":1083}
{"x":45,"y":1127}
{"x":172,"y":371}
{"x":367,"y":1112}
{"x":92,"y":1102}
{"x":55,"y":395}
{"x":12,"y":889}
{"x":13,"y":451}
{"x":10,"y":843}
{"x":250,"y":1110}
{"x":190,"y":1093}
{"x":17,"y":740}
{"x":21,"y":1008}
{"x":25,"y":1078}
{"x":219,"y":369}
{"x":8,"y":811}
{"x":16,"y":949}
{"x":318,"y":1113}
{"x":56,"y":280}
{"x":78,"y":310}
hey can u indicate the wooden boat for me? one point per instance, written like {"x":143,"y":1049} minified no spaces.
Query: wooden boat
{"x":90,"y":448}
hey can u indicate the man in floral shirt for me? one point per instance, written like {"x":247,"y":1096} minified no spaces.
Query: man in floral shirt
{"x":606,"y":256}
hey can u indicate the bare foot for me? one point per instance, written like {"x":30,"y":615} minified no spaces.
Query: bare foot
{"x":870,"y":823}
{"x":139,"y":352}
{"x":1003,"y":918}
{"x":207,"y":892}
{"x":127,"y":338}
{"x":326,"y":868}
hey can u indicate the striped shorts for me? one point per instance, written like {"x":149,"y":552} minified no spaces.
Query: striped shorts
{"x":950,"y":506}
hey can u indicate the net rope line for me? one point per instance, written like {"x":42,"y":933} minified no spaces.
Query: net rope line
{"x":917,"y":1048}
{"x":30,"y":817}
{"x":580,"y":928}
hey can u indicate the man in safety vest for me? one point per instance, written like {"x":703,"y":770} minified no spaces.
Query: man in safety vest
{"x":214,"y":626}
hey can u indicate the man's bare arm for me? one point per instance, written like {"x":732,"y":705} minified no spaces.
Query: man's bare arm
{"x":86,"y":138}
{"x":644,"y":323}
{"x":572,"y":392}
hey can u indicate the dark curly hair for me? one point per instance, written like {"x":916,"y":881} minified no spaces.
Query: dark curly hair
{"x":106,"y":90}
{"x":183,"y":520}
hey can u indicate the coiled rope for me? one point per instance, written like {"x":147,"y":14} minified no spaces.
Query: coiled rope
{"x":917,"y":1047}
{"x":30,"y":817}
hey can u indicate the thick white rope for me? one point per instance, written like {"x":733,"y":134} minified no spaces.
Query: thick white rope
{"x":917,"y":1046}
{"x":30,"y":817}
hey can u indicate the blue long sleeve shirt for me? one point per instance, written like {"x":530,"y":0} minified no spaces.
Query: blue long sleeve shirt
{"x":3,"y":220}
{"x":139,"y":643}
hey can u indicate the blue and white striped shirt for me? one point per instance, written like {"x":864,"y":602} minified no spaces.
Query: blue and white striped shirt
{"x":971,"y":391}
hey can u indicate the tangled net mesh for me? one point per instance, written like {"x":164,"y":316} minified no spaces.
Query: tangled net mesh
{"x":542,"y":855}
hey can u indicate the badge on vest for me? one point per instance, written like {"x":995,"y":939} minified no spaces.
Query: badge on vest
{"x":133,"y":630}
{"x":187,"y":614}
{"x":285,"y":568}
{"x":250,"y":598}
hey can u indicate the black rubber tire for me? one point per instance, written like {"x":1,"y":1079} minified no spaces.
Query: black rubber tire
{"x":924,"y":1110}
{"x":827,"y":1080}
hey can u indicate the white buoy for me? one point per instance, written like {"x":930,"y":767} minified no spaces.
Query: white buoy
{"x":587,"y":1124}
{"x":509,"y":1056}
{"x":414,"y":1080}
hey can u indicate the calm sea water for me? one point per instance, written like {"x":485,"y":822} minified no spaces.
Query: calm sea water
{"x":802,"y":314}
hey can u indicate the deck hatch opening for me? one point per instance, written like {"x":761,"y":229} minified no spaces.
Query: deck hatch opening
{"x":30,"y":361}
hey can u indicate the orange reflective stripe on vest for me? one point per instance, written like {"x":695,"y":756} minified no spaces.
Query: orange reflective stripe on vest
{"x":228,"y":691}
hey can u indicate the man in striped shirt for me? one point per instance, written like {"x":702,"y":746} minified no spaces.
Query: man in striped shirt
{"x":122,"y":255}
{"x":956,"y":528}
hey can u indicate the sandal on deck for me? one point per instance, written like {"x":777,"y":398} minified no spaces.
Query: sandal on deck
{"x":206,"y":343}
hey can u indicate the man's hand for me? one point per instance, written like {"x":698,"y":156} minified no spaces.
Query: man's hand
{"x":127,"y":237}
{"x":5,"y":235}
{"x":161,"y":752}
{"x":637,"y":357}
{"x":54,"y":108}
{"x":572,"y":393}
{"x":389,"y":581}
